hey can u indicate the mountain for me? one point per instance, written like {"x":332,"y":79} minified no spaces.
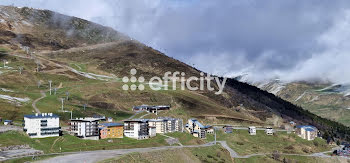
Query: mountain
{"x":86,"y":63}
{"x":326,"y":99}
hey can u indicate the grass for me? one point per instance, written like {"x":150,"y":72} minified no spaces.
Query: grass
{"x":70,"y":143}
{"x":186,"y":138}
{"x":286,"y":158}
{"x":212,"y":154}
{"x":245,"y":144}
{"x":196,"y":155}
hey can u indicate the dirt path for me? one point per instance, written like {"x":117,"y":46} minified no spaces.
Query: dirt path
{"x":53,"y":144}
{"x":43,"y":95}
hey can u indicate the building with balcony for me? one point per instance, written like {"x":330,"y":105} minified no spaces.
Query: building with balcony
{"x":252,"y":130}
{"x":111,"y":130}
{"x":136,"y":129}
{"x":166,"y":124}
{"x":42,"y":125}
{"x":86,"y":128}
{"x":306,"y":132}
{"x":195,"y":128}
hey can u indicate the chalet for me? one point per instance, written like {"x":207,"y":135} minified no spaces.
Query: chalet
{"x":306,"y":132}
{"x":7,"y":122}
{"x":252,"y":130}
{"x":209,"y":129}
{"x":228,"y":129}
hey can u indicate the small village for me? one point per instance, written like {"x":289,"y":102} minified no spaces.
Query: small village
{"x":41,"y":125}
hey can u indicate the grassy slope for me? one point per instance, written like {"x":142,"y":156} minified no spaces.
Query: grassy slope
{"x":186,"y":139}
{"x":329,"y":105}
{"x":245,"y":144}
{"x":70,"y":143}
{"x":195,"y":155}
{"x":300,"y":159}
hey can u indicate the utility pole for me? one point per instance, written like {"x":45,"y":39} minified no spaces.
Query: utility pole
{"x":4,"y":63}
{"x":215,"y":135}
{"x":50,"y":82}
{"x":37,"y":67}
{"x":62,"y":100}
{"x":67,"y":93}
{"x":20,"y":68}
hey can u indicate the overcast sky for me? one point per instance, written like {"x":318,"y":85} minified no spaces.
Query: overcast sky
{"x":289,"y":39}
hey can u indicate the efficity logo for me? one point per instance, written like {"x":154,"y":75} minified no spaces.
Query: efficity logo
{"x":162,"y":83}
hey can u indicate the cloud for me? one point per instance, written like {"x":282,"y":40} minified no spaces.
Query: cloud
{"x":294,"y":40}
{"x":332,"y":63}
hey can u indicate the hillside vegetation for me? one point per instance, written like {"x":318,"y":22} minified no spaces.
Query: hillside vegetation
{"x":87,"y":61}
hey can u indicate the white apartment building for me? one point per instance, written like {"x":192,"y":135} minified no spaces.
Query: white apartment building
{"x":269,"y":131}
{"x":252,"y":130}
{"x":195,"y":128}
{"x":159,"y":124}
{"x":42,"y":125}
{"x":306,"y":132}
{"x":86,"y":128}
{"x":136,"y":129}
{"x":166,"y":124}
{"x":152,"y":131}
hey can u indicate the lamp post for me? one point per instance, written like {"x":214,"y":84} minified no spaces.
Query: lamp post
{"x":62,"y":100}
{"x":50,"y":82}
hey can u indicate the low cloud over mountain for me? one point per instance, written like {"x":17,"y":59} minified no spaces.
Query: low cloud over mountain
{"x":293,"y":40}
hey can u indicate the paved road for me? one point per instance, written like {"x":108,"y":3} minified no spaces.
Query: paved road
{"x":43,"y":95}
{"x":246,"y":128}
{"x":95,"y":156}
{"x":10,"y":128}
{"x":144,"y":115}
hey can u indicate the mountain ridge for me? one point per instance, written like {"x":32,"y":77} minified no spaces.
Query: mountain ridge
{"x":117,"y":55}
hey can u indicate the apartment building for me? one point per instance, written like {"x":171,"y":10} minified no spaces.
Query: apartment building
{"x":252,"y":130}
{"x":42,"y":125}
{"x":161,"y":125}
{"x":136,"y":129}
{"x":152,"y":131}
{"x":86,"y":128}
{"x":166,"y":124}
{"x":195,"y":128}
{"x":111,"y":130}
{"x":307,"y":132}
{"x":269,"y":131}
